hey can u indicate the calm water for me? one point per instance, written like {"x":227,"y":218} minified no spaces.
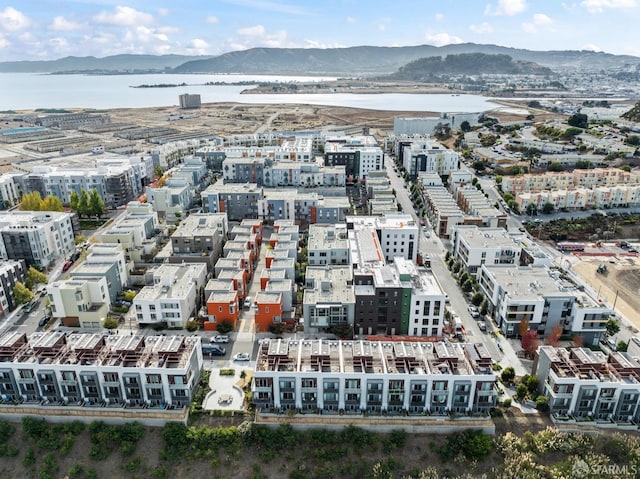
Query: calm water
{"x":23,"y":91}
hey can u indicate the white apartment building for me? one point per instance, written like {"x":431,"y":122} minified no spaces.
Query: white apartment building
{"x":353,"y":377}
{"x":567,"y":180}
{"x":37,"y":237}
{"x":82,"y":302}
{"x":584,"y":384}
{"x":397,"y":235}
{"x":600,"y":197}
{"x":91,"y":370}
{"x":170,"y":202}
{"x":10,"y":190}
{"x":426,"y":313}
{"x":174,"y":295}
{"x":425,"y":155}
{"x":474,"y":247}
{"x":532,"y":294}
{"x":328,"y":244}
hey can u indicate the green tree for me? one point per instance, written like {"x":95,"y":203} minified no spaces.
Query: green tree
{"x":555,"y":166}
{"x":532,"y":209}
{"x":465,"y":126}
{"x":191,"y":326}
{"x":83,"y":204}
{"x":626,"y":168}
{"x":74,"y":201}
{"x":158,"y":171}
{"x":96,"y":204}
{"x":484,"y":307}
{"x":224,"y":327}
{"x":547,"y":208}
{"x":342,"y":330}
{"x":579,"y":120}
{"x":478,"y":165}
{"x":51,"y":203}
{"x":508,"y":375}
{"x":21,"y":294}
{"x":477,"y":298}
{"x":34,"y":277}
{"x":31,"y":201}
{"x":542,"y":403}
{"x":613,"y":327}
{"x":110,"y":323}
{"x":622,"y":346}
{"x":80,"y":239}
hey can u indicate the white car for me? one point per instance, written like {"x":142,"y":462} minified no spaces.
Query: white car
{"x":247,"y":303}
{"x":219,"y":339}
{"x":474,"y":312}
{"x":241,"y":357}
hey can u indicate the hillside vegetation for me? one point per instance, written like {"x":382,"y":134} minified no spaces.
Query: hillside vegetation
{"x":633,"y":114}
{"x":467,"y":64}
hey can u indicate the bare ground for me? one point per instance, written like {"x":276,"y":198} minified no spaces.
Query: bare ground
{"x":622,"y":279}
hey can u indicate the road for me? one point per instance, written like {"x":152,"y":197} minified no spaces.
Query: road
{"x":434,"y":247}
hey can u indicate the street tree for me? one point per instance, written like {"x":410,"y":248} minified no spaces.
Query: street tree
{"x":52,"y":203}
{"x":83,"y":204}
{"x":477,"y":298}
{"x":484,"y":307}
{"x":547,"y":208}
{"x":523,"y":327}
{"x":553,"y":339}
{"x":530,"y":342}
{"x":34,"y":277}
{"x":74,"y":201}
{"x":532,"y":209}
{"x":31,"y":201}
{"x":613,"y":327}
{"x":21,"y":294}
{"x":96,"y":204}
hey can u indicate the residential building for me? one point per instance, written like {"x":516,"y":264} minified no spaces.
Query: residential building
{"x":403,"y":126}
{"x":10,"y":190}
{"x":135,"y":231}
{"x":478,"y":208}
{"x":529,"y":294}
{"x":442,"y":210}
{"x":397,"y":235}
{"x":198,"y":239}
{"x":239,"y":201}
{"x":87,"y":370}
{"x":170,"y":154}
{"x":588,"y":385}
{"x":82,"y":302}
{"x":474,"y":247}
{"x":268,"y":309}
{"x":37,"y":237}
{"x":352,"y":377}
{"x":358,"y":154}
{"x":170,"y":202}
{"x":11,"y":272}
{"x":174,"y":296}
{"x":422,"y":154}
{"x":329,"y":298}
{"x":328,"y":244}
{"x":222,"y":305}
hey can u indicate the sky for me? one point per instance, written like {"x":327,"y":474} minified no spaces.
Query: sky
{"x":51,"y":29}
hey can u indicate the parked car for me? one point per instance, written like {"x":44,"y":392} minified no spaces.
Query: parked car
{"x":213,"y":350}
{"x":474,"y":312}
{"x":219,"y":339}
{"x":66,"y":265}
{"x":44,"y":321}
{"x":482,"y":326}
{"x":247,"y":302}
{"x":242,"y":357}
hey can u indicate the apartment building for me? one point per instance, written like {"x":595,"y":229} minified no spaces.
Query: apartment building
{"x":87,"y":370}
{"x":353,"y":377}
{"x":170,"y":154}
{"x":422,"y":154}
{"x":174,"y":296}
{"x":328,"y":244}
{"x":239,"y":201}
{"x":442,"y":210}
{"x":107,"y":261}
{"x":599,"y":197}
{"x":10,"y":189}
{"x":534,"y":295}
{"x":80,"y":302}
{"x":135,"y":231}
{"x":478,"y":208}
{"x":37,"y":237}
{"x":198,"y":239}
{"x":404,"y":126}
{"x":474,"y":247}
{"x":584,"y":384}
{"x":11,"y":272}
{"x":358,"y":154}
{"x":171,"y":202}
{"x":329,"y":298}
{"x":302,"y":207}
{"x":397,"y":235}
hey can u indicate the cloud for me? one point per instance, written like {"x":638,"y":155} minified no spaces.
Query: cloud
{"x":254,"y":31}
{"x":257,"y":36}
{"x":142,"y":34}
{"x":4,"y":43}
{"x":439,"y":17}
{"x":591,"y":47}
{"x":318,"y":44}
{"x":441,"y":39}
{"x":124,"y":16}
{"x":538,"y":20}
{"x":168,"y":29}
{"x":270,"y":6}
{"x":12,"y":20}
{"x":197,"y":46}
{"x":163,"y":12}
{"x":506,"y":8}
{"x":61,"y":24}
{"x":211,"y":19}
{"x":484,"y":27}
{"x":598,"y":6}
{"x":352,"y":20}
{"x":382,"y":25}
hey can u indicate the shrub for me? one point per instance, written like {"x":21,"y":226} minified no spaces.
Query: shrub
{"x":507,"y":403}
{"x":110,"y":323}
{"x":227,"y":372}
{"x":224,"y":327}
{"x":398,"y":438}
{"x":191,"y":326}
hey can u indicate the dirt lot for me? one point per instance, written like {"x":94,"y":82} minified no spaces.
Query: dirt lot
{"x":622,"y":278}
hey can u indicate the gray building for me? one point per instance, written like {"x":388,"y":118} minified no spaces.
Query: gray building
{"x":11,"y":272}
{"x":239,"y":201}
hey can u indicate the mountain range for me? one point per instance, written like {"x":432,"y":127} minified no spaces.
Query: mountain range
{"x":361,"y":60}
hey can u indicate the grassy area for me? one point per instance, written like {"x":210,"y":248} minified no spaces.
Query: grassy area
{"x":93,"y":224}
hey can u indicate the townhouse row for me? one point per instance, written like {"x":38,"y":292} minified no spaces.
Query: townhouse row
{"x":374,"y":377}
